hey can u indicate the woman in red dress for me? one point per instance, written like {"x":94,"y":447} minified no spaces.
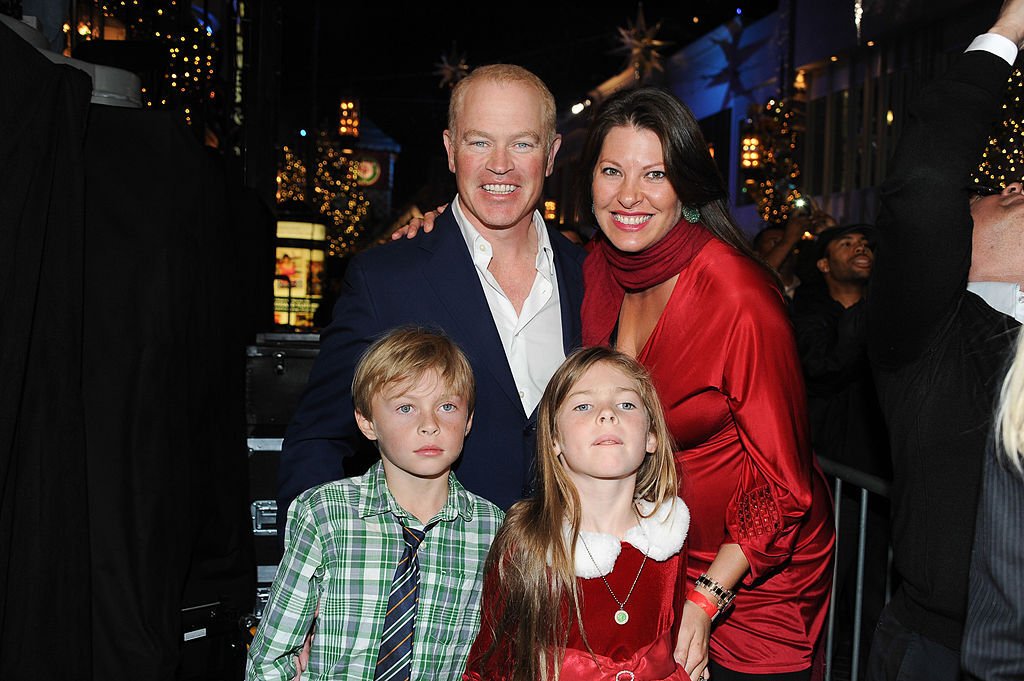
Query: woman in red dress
{"x":674,"y":284}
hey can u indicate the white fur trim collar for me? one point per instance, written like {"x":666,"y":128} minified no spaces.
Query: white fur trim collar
{"x":665,"y":530}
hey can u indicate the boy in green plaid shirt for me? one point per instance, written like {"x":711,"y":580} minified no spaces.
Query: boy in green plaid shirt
{"x":414,"y":393}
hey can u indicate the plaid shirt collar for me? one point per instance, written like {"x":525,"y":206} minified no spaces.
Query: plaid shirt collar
{"x":378,"y":499}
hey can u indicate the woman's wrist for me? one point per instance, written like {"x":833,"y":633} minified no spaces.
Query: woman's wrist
{"x":721,"y":596}
{"x":703,"y":602}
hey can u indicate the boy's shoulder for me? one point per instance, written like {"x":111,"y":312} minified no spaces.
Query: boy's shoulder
{"x":348,"y":495}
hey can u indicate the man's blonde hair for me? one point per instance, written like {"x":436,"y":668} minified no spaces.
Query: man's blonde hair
{"x":404,"y":355}
{"x":504,"y":74}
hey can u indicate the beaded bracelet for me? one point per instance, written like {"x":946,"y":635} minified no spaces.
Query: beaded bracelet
{"x":702,"y":602}
{"x":724,"y":595}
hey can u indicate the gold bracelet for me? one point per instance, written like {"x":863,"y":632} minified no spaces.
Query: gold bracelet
{"x":723,"y":595}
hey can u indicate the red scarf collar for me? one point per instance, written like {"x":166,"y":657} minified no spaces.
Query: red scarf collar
{"x":608,"y":274}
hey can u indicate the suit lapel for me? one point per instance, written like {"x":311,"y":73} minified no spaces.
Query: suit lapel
{"x":450,"y":272}
{"x":568,"y":265}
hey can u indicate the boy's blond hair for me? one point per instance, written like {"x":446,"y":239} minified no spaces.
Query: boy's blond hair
{"x":404,"y":355}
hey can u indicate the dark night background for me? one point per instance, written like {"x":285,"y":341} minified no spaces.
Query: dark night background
{"x":385,"y":54}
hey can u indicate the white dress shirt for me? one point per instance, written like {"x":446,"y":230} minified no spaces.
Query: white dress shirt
{"x":532,"y":339}
{"x":999,"y":45}
{"x":1001,"y":297}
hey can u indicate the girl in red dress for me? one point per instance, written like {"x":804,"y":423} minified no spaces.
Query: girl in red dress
{"x":585,"y":580}
{"x":673,"y":283}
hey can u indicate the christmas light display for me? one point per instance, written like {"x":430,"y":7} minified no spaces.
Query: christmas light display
{"x":185,"y":33}
{"x":333,"y":191}
{"x":348,"y":118}
{"x":1002,"y":161}
{"x":291,"y":177}
{"x":768,"y":166}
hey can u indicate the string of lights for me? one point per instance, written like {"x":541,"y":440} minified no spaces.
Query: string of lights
{"x":335,"y":191}
{"x":186,"y":79}
{"x":291,"y":177}
{"x":1002,"y":161}
{"x":768,"y":165}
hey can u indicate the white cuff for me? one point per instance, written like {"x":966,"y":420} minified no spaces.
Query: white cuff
{"x":999,"y":45}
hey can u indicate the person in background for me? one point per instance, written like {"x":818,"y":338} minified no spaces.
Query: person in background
{"x":405,"y":534}
{"x":774,"y":245}
{"x":781,"y":246}
{"x":847,"y":426}
{"x":496,"y":279}
{"x":943,"y":313}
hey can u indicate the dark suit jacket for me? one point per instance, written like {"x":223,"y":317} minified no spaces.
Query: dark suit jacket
{"x":993,"y":647}
{"x":429,"y":280}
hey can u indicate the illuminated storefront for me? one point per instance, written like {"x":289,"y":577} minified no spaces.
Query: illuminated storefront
{"x":298,"y":282}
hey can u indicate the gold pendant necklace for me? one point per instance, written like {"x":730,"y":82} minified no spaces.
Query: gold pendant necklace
{"x":621,"y":616}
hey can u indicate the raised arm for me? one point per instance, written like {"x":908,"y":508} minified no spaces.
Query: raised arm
{"x":925,"y":222}
{"x":794,"y":230}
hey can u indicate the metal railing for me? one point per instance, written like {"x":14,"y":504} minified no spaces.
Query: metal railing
{"x":867,"y":485}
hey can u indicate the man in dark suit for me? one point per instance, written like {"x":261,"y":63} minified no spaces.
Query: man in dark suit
{"x":493,"y":276}
{"x":943,"y":313}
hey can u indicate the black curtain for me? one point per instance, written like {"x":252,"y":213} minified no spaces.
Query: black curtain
{"x":164,"y":391}
{"x":44,"y":532}
{"x":124,"y":314}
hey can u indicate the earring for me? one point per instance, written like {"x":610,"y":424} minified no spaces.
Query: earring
{"x":691,"y":214}
{"x":593,"y":210}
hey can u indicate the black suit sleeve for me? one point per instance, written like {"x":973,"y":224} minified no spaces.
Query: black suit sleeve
{"x":993,"y":647}
{"x":323,"y":428}
{"x":925,"y":222}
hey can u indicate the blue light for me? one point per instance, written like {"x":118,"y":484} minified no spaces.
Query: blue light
{"x":739,"y":10}
{"x":302,"y":132}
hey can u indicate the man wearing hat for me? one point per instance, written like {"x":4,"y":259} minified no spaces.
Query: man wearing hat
{"x":845,"y":258}
{"x":829,"y":320}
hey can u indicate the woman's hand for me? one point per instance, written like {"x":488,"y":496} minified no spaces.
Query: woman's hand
{"x":413,"y":227}
{"x":692,"y":647}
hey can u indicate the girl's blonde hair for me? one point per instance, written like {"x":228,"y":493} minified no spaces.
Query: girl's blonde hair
{"x":1009,"y":418}
{"x":535,"y":566}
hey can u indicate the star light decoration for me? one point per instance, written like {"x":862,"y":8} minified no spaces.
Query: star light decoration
{"x":452,"y":68}
{"x":639,"y":42}
{"x":768,"y":166}
{"x":1002,"y":161}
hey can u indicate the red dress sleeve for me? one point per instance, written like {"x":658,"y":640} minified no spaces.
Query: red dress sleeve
{"x":764,"y":387}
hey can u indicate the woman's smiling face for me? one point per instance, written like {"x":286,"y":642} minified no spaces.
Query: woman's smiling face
{"x":634,"y":202}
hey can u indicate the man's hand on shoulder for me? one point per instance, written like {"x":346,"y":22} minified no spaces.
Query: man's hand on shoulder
{"x":413,"y":227}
